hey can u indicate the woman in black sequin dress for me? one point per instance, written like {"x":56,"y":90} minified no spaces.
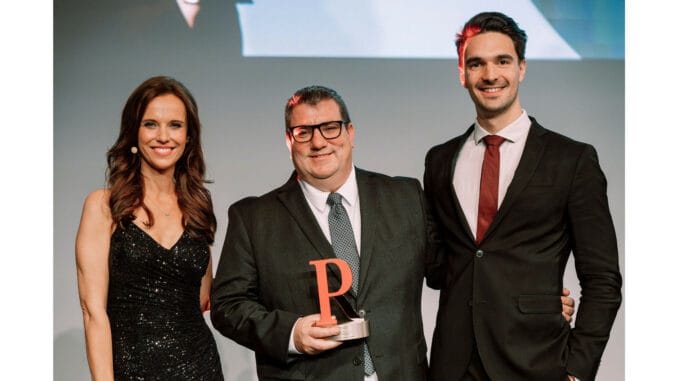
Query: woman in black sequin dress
{"x":142,"y":250}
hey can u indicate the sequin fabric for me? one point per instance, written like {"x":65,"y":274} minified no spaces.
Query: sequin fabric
{"x":158,"y":330}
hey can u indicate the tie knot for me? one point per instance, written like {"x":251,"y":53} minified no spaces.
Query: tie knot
{"x":493,"y":140}
{"x":334,"y":199}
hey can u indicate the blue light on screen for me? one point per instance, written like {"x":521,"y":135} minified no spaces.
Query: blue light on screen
{"x":556,"y":29}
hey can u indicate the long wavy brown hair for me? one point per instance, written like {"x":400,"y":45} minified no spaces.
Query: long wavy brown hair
{"x":124,"y":168}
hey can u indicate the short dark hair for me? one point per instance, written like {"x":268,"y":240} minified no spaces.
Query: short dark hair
{"x":492,"y":22}
{"x":312,"y":95}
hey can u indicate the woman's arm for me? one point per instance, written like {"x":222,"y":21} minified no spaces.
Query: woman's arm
{"x":206,"y":288}
{"x":91,"y":253}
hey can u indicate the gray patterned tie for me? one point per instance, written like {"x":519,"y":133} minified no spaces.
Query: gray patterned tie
{"x":343,"y":244}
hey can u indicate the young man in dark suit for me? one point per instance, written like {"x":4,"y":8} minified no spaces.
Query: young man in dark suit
{"x":512,"y":201}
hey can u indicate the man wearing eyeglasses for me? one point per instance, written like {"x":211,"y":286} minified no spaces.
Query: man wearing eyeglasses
{"x":265,"y":295}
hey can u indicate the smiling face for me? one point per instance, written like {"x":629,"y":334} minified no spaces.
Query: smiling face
{"x":325,"y":164}
{"x":162,"y":134}
{"x":491,"y":71}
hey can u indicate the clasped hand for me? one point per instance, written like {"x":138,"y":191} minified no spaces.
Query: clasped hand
{"x":310,"y":339}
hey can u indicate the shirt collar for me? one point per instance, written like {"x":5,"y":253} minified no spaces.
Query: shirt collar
{"x":514,"y":132}
{"x":318,"y":198}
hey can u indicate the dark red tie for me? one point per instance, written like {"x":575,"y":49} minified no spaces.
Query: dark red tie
{"x":489,"y":185}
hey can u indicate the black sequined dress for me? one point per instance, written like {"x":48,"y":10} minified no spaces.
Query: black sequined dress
{"x":158,"y":330}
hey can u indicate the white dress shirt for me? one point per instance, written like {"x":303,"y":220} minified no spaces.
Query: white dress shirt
{"x":317,"y":201}
{"x":470,"y":163}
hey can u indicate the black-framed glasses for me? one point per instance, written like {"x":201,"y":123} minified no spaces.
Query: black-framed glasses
{"x":328,"y":130}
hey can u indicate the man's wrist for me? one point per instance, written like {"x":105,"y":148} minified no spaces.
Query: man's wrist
{"x":291,"y":348}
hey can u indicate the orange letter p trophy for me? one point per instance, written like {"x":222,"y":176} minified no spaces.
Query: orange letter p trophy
{"x":357,"y":327}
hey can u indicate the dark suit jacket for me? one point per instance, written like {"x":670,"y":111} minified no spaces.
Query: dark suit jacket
{"x":264,"y":281}
{"x":505,"y":291}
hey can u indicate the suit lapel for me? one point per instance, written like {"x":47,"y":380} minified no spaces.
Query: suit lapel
{"x":457,"y":205}
{"x":291,"y":196}
{"x":294,"y":201}
{"x":369,"y":205}
{"x":532,"y":154}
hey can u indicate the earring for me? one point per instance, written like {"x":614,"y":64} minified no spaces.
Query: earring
{"x":134,"y":150}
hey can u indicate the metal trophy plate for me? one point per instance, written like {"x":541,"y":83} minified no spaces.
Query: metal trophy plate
{"x":355,"y":329}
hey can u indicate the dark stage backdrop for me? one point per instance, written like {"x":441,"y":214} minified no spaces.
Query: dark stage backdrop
{"x":400,"y":108}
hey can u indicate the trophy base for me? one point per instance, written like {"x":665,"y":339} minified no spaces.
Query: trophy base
{"x":354,"y":329}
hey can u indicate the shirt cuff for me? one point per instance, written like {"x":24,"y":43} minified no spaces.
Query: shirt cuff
{"x":291,"y":349}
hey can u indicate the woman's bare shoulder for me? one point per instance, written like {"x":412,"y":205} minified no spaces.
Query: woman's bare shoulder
{"x":96,"y":205}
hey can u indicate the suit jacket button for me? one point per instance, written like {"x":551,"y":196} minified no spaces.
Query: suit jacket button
{"x":361,"y":313}
{"x":479,"y":253}
{"x":357,"y":361}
